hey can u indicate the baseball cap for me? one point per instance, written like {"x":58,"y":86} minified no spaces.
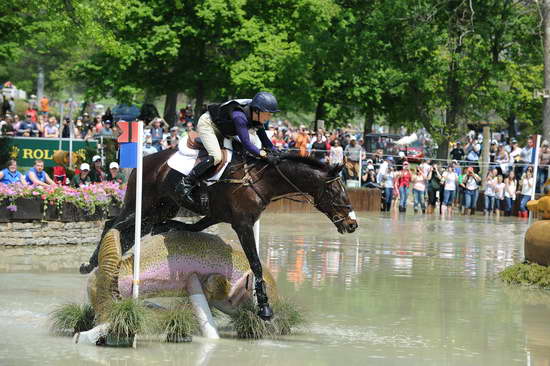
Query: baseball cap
{"x":114,"y":164}
{"x":352,"y":138}
{"x":84,"y":166}
{"x":174,"y":128}
{"x":95,"y":158}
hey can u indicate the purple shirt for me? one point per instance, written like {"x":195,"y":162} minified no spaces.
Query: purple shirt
{"x":241,"y":126}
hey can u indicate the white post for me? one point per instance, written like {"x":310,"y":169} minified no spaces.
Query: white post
{"x":137,"y":232}
{"x":201,"y":307}
{"x":535,"y":171}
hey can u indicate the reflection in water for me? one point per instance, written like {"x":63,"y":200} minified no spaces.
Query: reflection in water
{"x":414,"y":288}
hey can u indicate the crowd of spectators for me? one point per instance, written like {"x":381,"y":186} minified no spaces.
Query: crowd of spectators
{"x":453,"y":182}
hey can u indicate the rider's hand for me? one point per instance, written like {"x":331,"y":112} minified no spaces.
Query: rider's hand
{"x":263,"y":154}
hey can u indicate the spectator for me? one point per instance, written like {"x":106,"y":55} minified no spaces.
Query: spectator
{"x":502,"y":159}
{"x":450,"y":185}
{"x":148,"y":148}
{"x":526,"y":156}
{"x":37,"y":176}
{"x":5,"y":106}
{"x":470,"y":183}
{"x":83,"y":178}
{"x":489,"y":194}
{"x":319,"y":147}
{"x":27,"y":127}
{"x":12,"y":105}
{"x":51,"y":130}
{"x":434,"y":186}
{"x":499,"y":196}
{"x":302,"y":141}
{"x":44,"y":106}
{"x":157,"y":133}
{"x":419,"y":189}
{"x":9,"y":128}
{"x":11,"y":175}
{"x":458,"y":152}
{"x":509,"y":192}
{"x":336,"y":154}
{"x":388,"y":183}
{"x":544,"y":161}
{"x":527,"y":185}
{"x":66,"y":128}
{"x":352,"y":154}
{"x":97,"y":175}
{"x":403,"y":183}
{"x":30,"y":113}
{"x":106,"y":130}
{"x":115,"y":175}
{"x":515,"y":154}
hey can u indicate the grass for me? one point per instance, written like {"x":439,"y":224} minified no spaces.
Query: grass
{"x":178,"y":322}
{"x":527,"y":274}
{"x":248,"y":325}
{"x":71,"y":318}
{"x":127,"y":317}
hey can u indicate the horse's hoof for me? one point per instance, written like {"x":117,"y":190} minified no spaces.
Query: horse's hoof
{"x":265,"y":312}
{"x":86,"y":268}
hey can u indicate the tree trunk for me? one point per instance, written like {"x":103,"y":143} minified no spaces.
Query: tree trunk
{"x":200,"y":94}
{"x":369,"y":122}
{"x":40,"y":83}
{"x":170,"y":107}
{"x":319,"y":112}
{"x":511,"y":123}
{"x":546,"y":111}
{"x":148,"y":98}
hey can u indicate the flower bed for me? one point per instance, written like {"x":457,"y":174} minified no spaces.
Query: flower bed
{"x":94,"y":202}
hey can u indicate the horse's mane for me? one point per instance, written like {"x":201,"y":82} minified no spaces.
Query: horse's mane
{"x":332,"y":170}
{"x":314,"y":163}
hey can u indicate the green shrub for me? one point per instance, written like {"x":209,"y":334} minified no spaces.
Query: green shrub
{"x":528,"y":274}
{"x":250,"y":326}
{"x":127,"y":317}
{"x":178,"y":322}
{"x":71,"y":318}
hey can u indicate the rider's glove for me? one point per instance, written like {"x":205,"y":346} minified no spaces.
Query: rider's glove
{"x":270,"y":157}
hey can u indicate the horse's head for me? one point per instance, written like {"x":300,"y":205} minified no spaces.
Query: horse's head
{"x":332,"y":200}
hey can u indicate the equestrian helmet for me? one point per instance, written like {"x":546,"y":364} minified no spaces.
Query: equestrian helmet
{"x":264,"y":102}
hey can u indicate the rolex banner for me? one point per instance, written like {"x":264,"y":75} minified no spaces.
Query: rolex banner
{"x":27,"y":149}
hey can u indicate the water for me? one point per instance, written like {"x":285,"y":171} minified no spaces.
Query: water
{"x":414,"y":291}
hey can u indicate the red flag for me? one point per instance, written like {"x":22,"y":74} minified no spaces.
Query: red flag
{"x":129,"y":131}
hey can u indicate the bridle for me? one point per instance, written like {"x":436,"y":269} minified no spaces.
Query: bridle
{"x":248,"y":180}
{"x":320,"y":206}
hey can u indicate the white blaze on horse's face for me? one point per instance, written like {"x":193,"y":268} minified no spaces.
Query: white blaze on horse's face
{"x":352,"y":216}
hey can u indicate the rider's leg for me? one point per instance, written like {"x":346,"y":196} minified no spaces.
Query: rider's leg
{"x":208,"y":134}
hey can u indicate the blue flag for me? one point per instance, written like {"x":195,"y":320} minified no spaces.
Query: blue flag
{"x":128,"y":155}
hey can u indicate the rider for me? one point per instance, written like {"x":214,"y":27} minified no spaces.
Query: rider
{"x":232,"y":118}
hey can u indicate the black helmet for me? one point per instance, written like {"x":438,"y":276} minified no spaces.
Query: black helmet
{"x":264,"y":102}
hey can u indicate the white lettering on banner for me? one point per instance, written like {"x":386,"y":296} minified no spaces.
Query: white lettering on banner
{"x":352,"y":215}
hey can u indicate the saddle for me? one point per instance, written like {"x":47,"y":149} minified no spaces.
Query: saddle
{"x":194,"y":143}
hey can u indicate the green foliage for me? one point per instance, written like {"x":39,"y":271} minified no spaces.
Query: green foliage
{"x":528,"y":274}
{"x":127,"y":317}
{"x":178,"y":322}
{"x":71,"y":318}
{"x":248,"y":325}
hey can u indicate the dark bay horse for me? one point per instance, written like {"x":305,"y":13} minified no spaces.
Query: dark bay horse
{"x":243,"y":192}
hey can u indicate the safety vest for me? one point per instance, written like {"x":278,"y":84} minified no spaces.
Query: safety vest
{"x":221,"y":115}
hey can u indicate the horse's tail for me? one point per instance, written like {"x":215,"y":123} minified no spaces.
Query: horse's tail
{"x":103,"y":284}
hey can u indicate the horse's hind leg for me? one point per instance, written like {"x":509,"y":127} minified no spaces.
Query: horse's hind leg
{"x":126,"y":227}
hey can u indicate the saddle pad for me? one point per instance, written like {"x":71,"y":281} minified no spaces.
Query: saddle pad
{"x":185,"y":159}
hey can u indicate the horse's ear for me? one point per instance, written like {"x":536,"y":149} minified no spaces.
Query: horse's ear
{"x":335,"y":170}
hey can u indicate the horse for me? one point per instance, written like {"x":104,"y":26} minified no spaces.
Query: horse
{"x":242,"y":193}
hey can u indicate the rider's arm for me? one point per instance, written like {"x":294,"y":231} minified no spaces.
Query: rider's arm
{"x":240,"y":121}
{"x":266,"y":142}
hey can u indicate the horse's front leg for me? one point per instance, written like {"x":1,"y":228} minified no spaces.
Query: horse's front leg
{"x":246,"y":237}
{"x":200,"y":225}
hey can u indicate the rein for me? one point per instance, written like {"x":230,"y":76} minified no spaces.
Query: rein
{"x":248,"y":180}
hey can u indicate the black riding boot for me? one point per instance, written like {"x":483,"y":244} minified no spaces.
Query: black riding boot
{"x":185,"y":187}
